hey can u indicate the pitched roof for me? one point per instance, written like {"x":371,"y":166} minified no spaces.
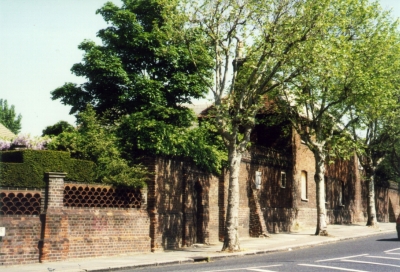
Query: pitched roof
{"x":269,"y":107}
{"x":5,"y":133}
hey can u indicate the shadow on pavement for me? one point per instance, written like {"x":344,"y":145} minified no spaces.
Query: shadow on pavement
{"x":389,"y":240}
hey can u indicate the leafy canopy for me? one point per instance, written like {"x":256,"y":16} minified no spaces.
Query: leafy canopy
{"x":9,"y":118}
{"x":57,"y":128}
{"x":141,"y":77}
{"x":142,"y":64}
{"x":346,"y":73}
{"x":94,"y":141}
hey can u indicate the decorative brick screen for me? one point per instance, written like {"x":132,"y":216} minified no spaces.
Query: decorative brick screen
{"x":101,"y":197}
{"x":19,"y":203}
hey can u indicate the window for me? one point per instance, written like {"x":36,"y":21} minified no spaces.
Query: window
{"x":303,"y":181}
{"x":283,"y":179}
{"x":258,"y":180}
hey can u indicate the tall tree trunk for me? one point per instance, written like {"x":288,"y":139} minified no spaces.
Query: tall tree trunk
{"x":320,"y":192}
{"x":231,"y":235}
{"x":371,"y":208}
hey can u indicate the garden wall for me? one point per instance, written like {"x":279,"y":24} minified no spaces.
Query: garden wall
{"x":19,"y":214}
{"x":67,"y":221}
{"x":183,"y":204}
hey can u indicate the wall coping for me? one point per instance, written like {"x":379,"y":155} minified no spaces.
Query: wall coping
{"x":55,"y":174}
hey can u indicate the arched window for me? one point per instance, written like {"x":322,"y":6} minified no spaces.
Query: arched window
{"x":283,"y":179}
{"x":304,"y":185}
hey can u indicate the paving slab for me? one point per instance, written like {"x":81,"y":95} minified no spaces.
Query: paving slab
{"x":199,"y":252}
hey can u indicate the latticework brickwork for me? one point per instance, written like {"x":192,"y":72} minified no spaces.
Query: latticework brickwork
{"x":20,"y":203}
{"x":92,"y":196}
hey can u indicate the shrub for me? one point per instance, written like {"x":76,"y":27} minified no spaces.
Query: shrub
{"x":26,"y":168}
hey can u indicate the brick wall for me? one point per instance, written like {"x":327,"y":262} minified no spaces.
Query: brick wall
{"x":183,"y":204}
{"x":81,"y":232}
{"x":20,"y":245}
{"x":105,"y":232}
{"x":387,"y":201}
{"x":393,"y":202}
{"x":19,"y":214}
{"x":343,"y":188}
{"x":303,"y":161}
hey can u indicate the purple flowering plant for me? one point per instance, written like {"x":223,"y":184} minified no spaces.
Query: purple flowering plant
{"x":25,"y":141}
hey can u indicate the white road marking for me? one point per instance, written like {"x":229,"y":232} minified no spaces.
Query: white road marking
{"x":255,"y":267}
{"x":382,"y":257}
{"x":348,"y":257}
{"x":388,"y":251}
{"x":383,"y":264}
{"x":333,"y":267}
{"x":260,"y":270}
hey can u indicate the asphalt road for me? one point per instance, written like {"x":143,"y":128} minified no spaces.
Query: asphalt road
{"x":375,"y":253}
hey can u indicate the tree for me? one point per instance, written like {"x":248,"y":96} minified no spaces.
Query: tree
{"x":278,"y":50}
{"x":139,"y":136}
{"x":57,"y":128}
{"x":141,"y":78}
{"x":347,"y":83}
{"x":391,"y":163}
{"x":254,"y":47}
{"x":376,"y":131}
{"x":142,"y":64}
{"x":94,"y":141}
{"x":9,"y":118}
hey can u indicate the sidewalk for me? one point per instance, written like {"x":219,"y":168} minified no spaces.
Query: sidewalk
{"x":249,"y":246}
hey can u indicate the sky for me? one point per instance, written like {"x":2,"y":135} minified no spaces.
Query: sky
{"x":39,"y":44}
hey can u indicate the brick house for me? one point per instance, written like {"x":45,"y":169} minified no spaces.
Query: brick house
{"x":183,"y":205}
{"x":188,"y":206}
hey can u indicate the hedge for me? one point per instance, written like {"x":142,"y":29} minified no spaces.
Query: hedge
{"x":26,"y":168}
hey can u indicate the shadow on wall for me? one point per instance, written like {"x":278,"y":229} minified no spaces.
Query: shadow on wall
{"x":272,"y":203}
{"x":339,"y":216}
{"x":182,"y":203}
{"x":382,"y":204}
{"x":392,"y":214}
{"x":341,"y":192}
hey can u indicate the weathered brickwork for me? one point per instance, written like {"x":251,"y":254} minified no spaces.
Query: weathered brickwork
{"x":20,"y":244}
{"x":183,"y":204}
{"x":106,"y":232}
{"x":387,"y":201}
{"x":88,"y":232}
{"x":62,"y":233}
{"x":393,"y":202}
{"x":342,"y":192}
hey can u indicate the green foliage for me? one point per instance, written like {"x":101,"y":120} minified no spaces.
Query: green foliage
{"x":143,"y":64}
{"x":9,"y":118}
{"x":374,"y":117}
{"x":385,"y":171}
{"x":143,"y":73}
{"x":97,"y":142}
{"x":26,"y":168}
{"x":57,"y":128}
{"x":347,"y":74}
{"x":201,"y":145}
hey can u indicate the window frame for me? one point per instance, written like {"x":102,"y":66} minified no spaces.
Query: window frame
{"x":283,"y":179}
{"x":304,"y":186}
